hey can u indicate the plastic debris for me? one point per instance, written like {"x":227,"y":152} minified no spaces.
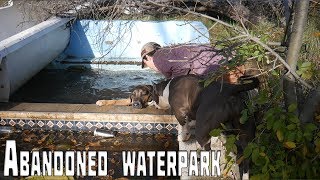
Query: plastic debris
{"x":104,"y":133}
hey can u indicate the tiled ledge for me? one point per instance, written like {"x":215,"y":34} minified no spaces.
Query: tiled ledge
{"x":79,"y":116}
{"x":86,"y":117}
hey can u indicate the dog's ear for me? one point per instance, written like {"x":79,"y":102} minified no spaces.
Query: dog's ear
{"x":150,"y":88}
{"x":130,"y":99}
{"x":153,"y":83}
{"x":154,"y":86}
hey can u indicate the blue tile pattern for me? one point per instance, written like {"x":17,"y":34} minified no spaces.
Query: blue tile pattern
{"x":59,"y":124}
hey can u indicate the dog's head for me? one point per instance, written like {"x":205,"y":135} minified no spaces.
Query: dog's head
{"x":141,"y":95}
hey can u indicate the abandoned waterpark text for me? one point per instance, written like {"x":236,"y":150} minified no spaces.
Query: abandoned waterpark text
{"x":56,"y":163}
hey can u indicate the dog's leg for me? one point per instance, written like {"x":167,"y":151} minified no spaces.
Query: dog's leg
{"x":119,"y":102}
{"x":246,"y":135}
{"x":185,"y":132}
{"x":207,"y":147}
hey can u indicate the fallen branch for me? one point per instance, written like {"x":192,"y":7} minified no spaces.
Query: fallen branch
{"x":195,"y":13}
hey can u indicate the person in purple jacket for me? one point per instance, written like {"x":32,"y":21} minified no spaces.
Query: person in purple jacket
{"x":173,"y":61}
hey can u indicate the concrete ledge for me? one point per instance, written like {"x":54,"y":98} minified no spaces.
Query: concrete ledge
{"x":83,"y":112}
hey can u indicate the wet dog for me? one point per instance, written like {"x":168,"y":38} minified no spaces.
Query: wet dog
{"x":140,"y":97}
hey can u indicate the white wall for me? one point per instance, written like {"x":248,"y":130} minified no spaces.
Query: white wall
{"x":13,"y":21}
{"x":123,"y":39}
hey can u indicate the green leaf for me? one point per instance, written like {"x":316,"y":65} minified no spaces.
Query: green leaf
{"x":248,"y":150}
{"x":310,"y":127}
{"x":306,"y":64}
{"x":256,"y":53}
{"x":279,"y":135}
{"x":270,"y":122}
{"x":307,"y":75}
{"x":289,"y":144}
{"x":244,"y":116}
{"x":273,"y":72}
{"x":264,"y":169}
{"x":255,"y":155}
{"x":291,"y":136}
{"x":299,"y":72}
{"x":280,"y":163}
{"x":293,"y":118}
{"x":291,"y":126}
{"x":308,"y":136}
{"x":277,"y":125}
{"x":215,"y":132}
{"x":299,"y":136}
{"x":271,"y":167}
{"x":260,"y":176}
{"x":292,"y":107}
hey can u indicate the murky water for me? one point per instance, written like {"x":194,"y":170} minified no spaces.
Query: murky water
{"x":80,"y":85}
{"x":43,"y":140}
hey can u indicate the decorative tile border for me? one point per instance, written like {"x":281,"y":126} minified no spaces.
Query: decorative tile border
{"x":133,"y":127}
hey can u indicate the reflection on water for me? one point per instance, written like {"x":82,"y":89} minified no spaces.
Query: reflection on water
{"x":80,"y":85}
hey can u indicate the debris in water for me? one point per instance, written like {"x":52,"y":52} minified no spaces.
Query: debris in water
{"x":43,"y":138}
{"x":167,"y":144}
{"x":29,"y":137}
{"x":104,"y":133}
{"x":117,"y":143}
{"x":94,"y":144}
{"x":6,"y":129}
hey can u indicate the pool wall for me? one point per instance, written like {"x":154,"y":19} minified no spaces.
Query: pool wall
{"x":26,"y":53}
{"x":123,"y":39}
{"x":120,"y":41}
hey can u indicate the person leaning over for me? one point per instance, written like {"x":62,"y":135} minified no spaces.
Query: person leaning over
{"x":173,"y":61}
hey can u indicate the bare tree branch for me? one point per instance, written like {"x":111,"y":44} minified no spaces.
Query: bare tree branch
{"x":195,"y":13}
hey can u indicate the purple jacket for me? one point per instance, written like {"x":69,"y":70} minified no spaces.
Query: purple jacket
{"x":187,"y":59}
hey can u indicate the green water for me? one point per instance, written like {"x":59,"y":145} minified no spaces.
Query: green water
{"x":77,"y":85}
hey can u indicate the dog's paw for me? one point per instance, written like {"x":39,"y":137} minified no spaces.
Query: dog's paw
{"x":151,"y":103}
{"x":185,"y":136}
{"x":184,"y":132}
{"x":100,"y":103}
